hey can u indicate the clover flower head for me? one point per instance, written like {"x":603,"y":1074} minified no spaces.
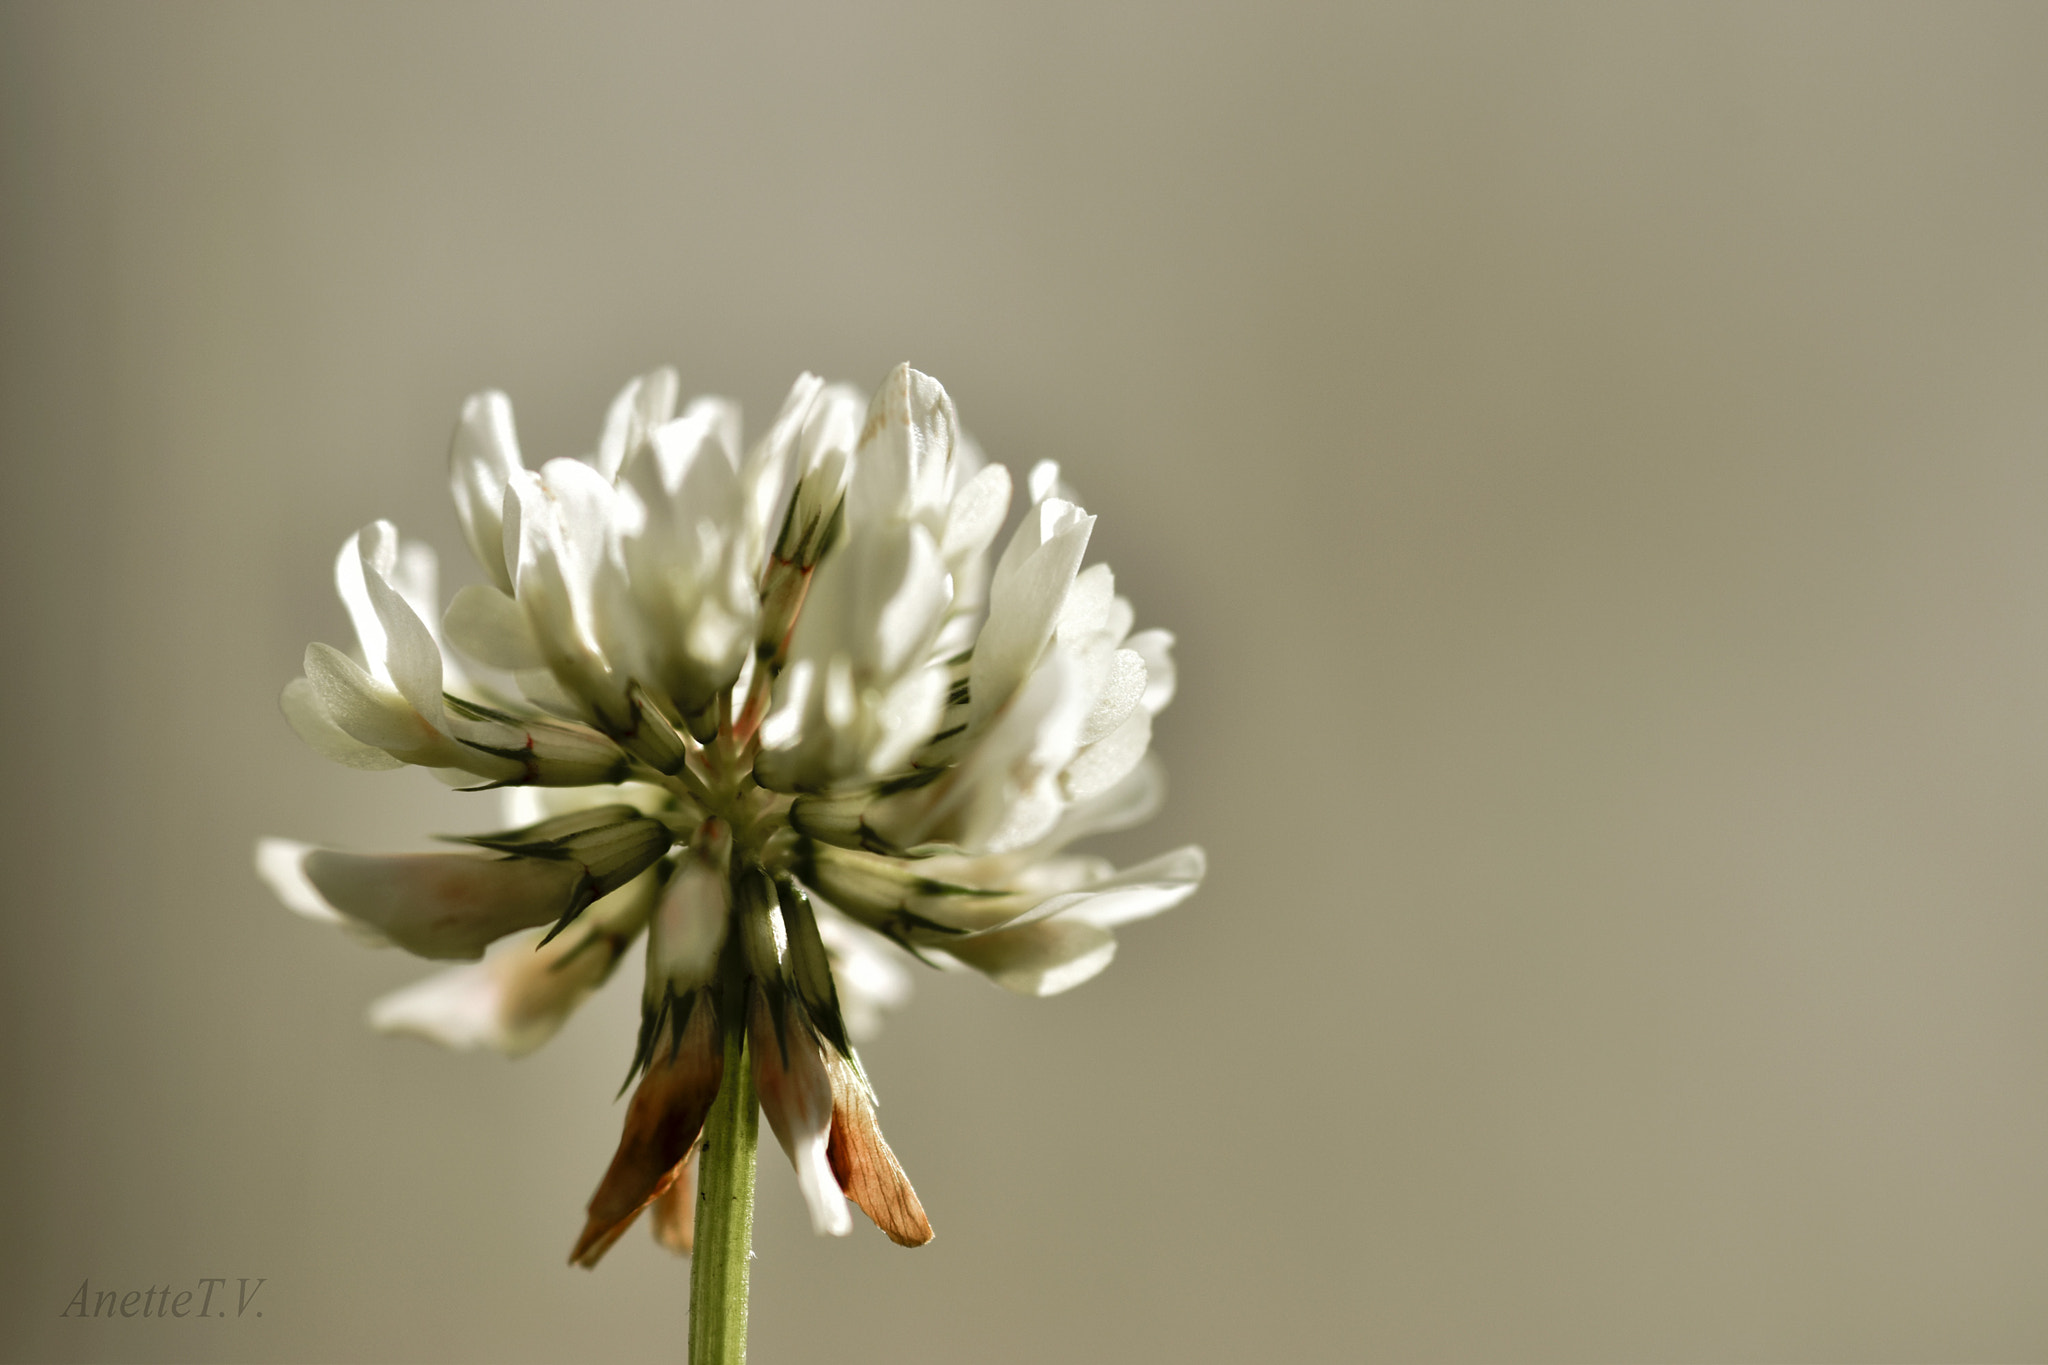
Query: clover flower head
{"x":770,"y":709}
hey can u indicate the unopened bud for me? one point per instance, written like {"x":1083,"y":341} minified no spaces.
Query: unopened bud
{"x":550,"y":753}
{"x":652,"y":740}
{"x":885,"y":895}
{"x":611,"y":844}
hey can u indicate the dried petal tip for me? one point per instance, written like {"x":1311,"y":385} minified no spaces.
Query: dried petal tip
{"x":663,"y":1122}
{"x":865,"y":1167}
{"x":675,"y":1209}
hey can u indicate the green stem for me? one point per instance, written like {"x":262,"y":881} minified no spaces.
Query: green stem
{"x":725,"y":1213}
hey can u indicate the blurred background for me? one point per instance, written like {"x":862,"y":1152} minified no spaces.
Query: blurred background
{"x":1592,"y":457}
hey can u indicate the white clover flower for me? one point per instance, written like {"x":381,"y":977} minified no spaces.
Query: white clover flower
{"x":771,"y":709}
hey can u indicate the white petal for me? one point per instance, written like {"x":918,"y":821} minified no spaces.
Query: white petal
{"x":796,"y":1097}
{"x":367,"y":709}
{"x":280,"y":862}
{"x":489,"y":627}
{"x":765,"y":474}
{"x":569,"y":583}
{"x":722,"y":416}
{"x":1045,"y":478}
{"x":644,"y":404}
{"x":902,"y":596}
{"x":1041,"y":523}
{"x":819,"y":1187}
{"x":582,"y":504}
{"x":832,"y":425}
{"x":908,"y":714}
{"x":412,"y":660}
{"x":482,"y":458}
{"x":545,"y":691}
{"x":817,"y":422}
{"x":1155,"y":647}
{"x":1119,"y":619}
{"x":689,"y":927}
{"x":417,"y":577}
{"x":1130,"y":802}
{"x":1038,"y":959}
{"x":355,"y":596}
{"x":868,"y":969}
{"x":281,"y":865}
{"x":819,"y":493}
{"x":1026,"y":597}
{"x":784,"y":725}
{"x":684,"y":561}
{"x":903,"y":465}
{"x":1004,"y":793}
{"x":531,"y":805}
{"x":1121,"y":692}
{"x":522,"y":992}
{"x":1105,"y":763}
{"x":524,"y":500}
{"x":301,"y":705}
{"x":459,"y":1007}
{"x":1087,"y":605}
{"x":976,"y":514}
{"x":704,"y":432}
{"x":1027,"y":817}
{"x":858,"y":697}
{"x":1139,"y":892}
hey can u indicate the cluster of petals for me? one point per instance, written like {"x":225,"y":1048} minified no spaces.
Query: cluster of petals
{"x":773,"y":709}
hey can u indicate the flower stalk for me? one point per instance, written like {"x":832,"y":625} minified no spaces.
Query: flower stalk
{"x":725,"y":1214}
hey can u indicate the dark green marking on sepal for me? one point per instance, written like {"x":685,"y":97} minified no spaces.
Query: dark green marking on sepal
{"x":589,"y":839}
{"x":917,"y":777}
{"x":579,"y":901}
{"x":891,"y":918}
{"x":810,"y":965}
{"x":674,"y":1010}
{"x":544,"y":838}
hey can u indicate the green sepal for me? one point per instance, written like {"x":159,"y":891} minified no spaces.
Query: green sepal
{"x":612,"y":844}
{"x":809,"y":965}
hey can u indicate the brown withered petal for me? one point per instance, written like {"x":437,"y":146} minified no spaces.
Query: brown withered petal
{"x":675,"y":1208}
{"x":663,"y":1122}
{"x":865,"y":1167}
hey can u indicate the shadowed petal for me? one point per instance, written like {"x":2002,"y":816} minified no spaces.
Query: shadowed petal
{"x":437,"y":905}
{"x":522,"y":992}
{"x":489,"y":627}
{"x":796,"y":1095}
{"x":1043,"y":958}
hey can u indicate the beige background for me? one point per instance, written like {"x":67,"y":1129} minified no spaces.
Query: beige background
{"x":1594,"y":460}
